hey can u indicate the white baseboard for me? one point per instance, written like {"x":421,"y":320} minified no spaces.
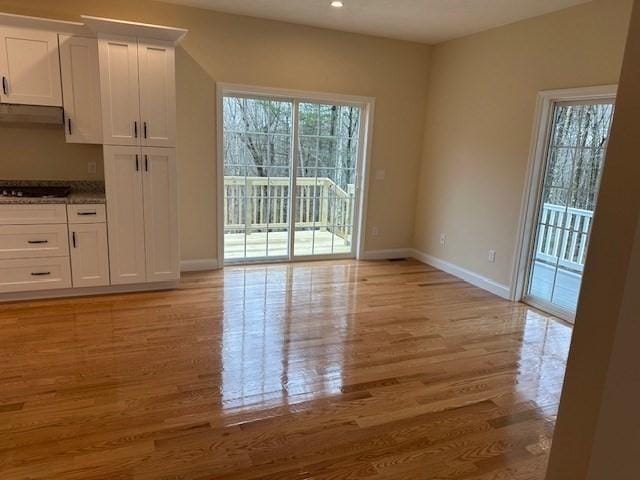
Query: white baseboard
{"x":200,"y":265}
{"x":387,"y":254}
{"x":466,"y":275}
{"x":88,"y":291}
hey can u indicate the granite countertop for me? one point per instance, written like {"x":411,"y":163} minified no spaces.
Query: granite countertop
{"x":81,"y":192}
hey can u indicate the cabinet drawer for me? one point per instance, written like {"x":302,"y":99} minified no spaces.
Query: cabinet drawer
{"x":86,"y":213}
{"x":34,"y":274}
{"x":33,"y":241}
{"x":44,"y":213}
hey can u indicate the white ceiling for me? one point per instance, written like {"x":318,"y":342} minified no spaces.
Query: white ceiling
{"x":428,"y":21}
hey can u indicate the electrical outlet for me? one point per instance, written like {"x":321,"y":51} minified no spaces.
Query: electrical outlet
{"x":92,"y":167}
{"x":492,"y":256}
{"x":443,"y":239}
{"x":375,"y":231}
{"x":381,"y":174}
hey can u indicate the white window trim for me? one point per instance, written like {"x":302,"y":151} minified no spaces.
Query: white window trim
{"x":367,"y":104}
{"x":535,"y":172}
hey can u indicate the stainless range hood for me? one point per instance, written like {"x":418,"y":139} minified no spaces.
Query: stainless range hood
{"x":31,"y":114}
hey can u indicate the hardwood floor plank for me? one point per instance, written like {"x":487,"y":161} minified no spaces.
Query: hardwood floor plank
{"x":325,"y":370}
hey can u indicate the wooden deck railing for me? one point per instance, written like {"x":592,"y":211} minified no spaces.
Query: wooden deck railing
{"x":564,"y":235}
{"x":322,"y":205}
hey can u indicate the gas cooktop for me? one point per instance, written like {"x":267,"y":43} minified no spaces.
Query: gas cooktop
{"x":34,"y":192}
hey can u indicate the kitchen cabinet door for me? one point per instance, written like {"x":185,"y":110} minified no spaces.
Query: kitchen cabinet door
{"x":119,"y":90}
{"x":125,"y":215}
{"x":81,"y":89}
{"x":161,"y":214}
{"x":157,"y":93}
{"x":89,"y":254}
{"x":29,"y":67}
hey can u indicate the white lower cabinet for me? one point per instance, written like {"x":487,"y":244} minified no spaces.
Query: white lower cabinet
{"x":27,"y":274}
{"x":89,"y":254}
{"x":49,"y":256}
{"x":125,"y":213}
{"x":161,"y":214}
{"x":142,"y":211}
{"x":33,"y":241}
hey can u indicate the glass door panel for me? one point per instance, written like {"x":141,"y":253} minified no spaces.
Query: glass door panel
{"x":257,"y":170}
{"x":574,"y":167}
{"x":326,"y":164}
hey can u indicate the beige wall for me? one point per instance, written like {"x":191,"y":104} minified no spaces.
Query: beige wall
{"x":39,"y":152}
{"x":597,"y":435}
{"x":481,"y":100}
{"x":246,"y":50}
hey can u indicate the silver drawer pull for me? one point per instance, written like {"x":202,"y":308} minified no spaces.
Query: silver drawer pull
{"x":40,"y":274}
{"x":37,"y":241}
{"x":88,"y":213}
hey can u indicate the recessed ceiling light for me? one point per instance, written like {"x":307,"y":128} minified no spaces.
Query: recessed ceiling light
{"x":337,"y":4}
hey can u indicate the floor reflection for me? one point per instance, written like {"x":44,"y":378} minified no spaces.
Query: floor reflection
{"x":543,"y":356}
{"x":269,"y":359}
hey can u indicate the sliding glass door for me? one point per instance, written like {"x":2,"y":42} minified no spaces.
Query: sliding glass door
{"x":257,"y":171}
{"x":326,"y":171}
{"x":290,"y":178}
{"x":574,"y":164}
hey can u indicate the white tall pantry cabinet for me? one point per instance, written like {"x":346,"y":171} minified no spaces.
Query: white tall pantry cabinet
{"x":138,"y":96}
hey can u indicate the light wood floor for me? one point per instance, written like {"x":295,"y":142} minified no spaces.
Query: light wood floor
{"x":338,"y":370}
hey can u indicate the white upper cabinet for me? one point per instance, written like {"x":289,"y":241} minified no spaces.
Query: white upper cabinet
{"x":161,"y":214}
{"x":137,"y":81}
{"x":81,"y":89}
{"x":156,"y":62}
{"x":119,"y":90}
{"x":125,"y":213}
{"x":29,"y":67}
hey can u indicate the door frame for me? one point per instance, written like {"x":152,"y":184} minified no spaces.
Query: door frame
{"x":539,"y":150}
{"x":367,"y":106}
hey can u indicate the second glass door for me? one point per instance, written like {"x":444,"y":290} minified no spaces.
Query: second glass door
{"x":326,"y":171}
{"x":575,"y":160}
